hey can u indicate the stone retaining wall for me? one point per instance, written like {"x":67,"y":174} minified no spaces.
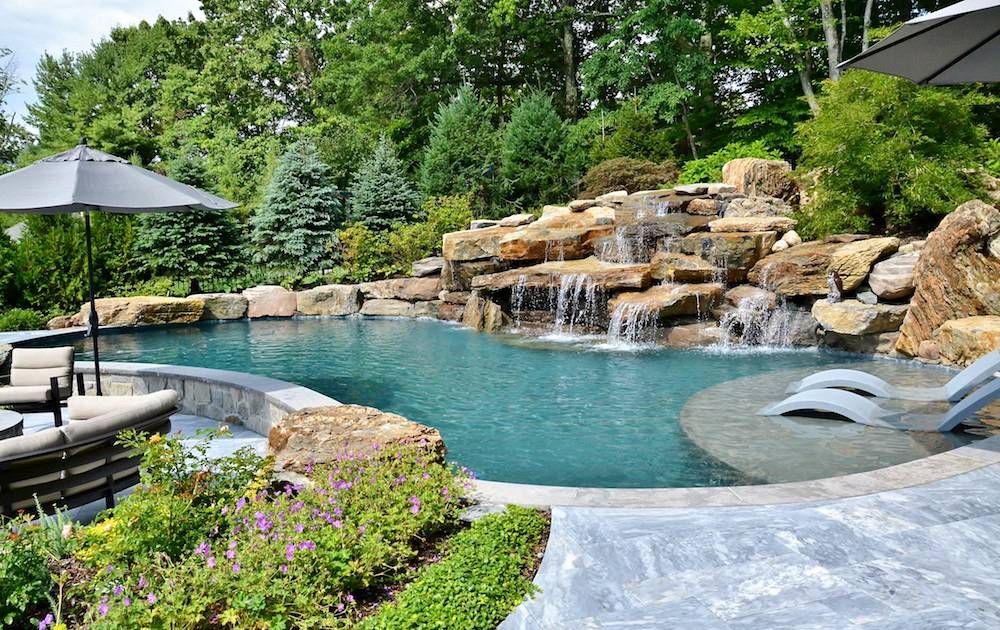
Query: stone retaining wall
{"x":256,"y":402}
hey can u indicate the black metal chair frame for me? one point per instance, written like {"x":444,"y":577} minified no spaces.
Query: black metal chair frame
{"x":55,"y":403}
{"x":106,"y":451}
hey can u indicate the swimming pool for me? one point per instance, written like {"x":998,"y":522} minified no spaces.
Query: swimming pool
{"x":521,"y":409}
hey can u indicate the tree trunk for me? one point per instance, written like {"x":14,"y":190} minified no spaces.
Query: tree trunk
{"x":569,"y":63}
{"x":867,"y":25}
{"x":831,"y":36}
{"x":843,"y":25}
{"x":805,"y":76}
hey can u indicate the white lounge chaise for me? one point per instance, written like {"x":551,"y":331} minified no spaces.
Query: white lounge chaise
{"x":866,"y":411}
{"x":955,"y":389}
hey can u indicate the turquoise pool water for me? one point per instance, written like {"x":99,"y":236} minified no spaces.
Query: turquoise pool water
{"x":509,"y":407}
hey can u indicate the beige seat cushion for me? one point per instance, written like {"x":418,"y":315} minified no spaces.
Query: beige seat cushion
{"x":87,"y":407}
{"x":36,"y":366}
{"x":25,"y":394}
{"x":17,"y":446}
{"x":141,"y":408}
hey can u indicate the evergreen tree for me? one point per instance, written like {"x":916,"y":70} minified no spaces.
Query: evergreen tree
{"x":460,"y":152}
{"x":532,"y":152}
{"x":189,"y":245}
{"x":380,"y":194}
{"x":295,"y":225}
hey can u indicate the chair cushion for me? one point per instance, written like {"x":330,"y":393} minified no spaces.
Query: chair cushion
{"x":36,"y":366}
{"x":145,"y":407}
{"x":22,"y":444}
{"x":87,"y":407}
{"x":25,"y":394}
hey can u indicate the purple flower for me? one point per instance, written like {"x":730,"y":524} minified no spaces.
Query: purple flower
{"x":283,"y":568}
{"x":102,"y":610}
{"x":127,"y":601}
{"x":210,"y":562}
{"x":340,"y":607}
{"x":299,"y":528}
{"x":289,"y":552}
{"x":426,"y":476}
{"x":151,"y":598}
{"x":337,"y":524}
{"x":349,"y":598}
{"x":239,"y":504}
{"x":202,"y":549}
{"x":142,"y":581}
{"x":231,"y":554}
{"x":46,"y":622}
{"x":444,"y":491}
{"x":236,"y":567}
{"x":118,"y":590}
{"x":109,"y":568}
{"x":307,"y":544}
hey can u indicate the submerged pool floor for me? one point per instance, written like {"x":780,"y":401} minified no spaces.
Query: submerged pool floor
{"x":513,"y":408}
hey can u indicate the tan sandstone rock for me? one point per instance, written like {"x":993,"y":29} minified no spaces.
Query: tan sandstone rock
{"x":760,"y":177}
{"x":547,"y":243}
{"x":851,"y":317}
{"x":738,"y":295}
{"x":320,"y":434}
{"x":757,"y":207}
{"x":854,"y":260}
{"x":523,"y":218}
{"x":604,"y":275}
{"x":962,"y":341}
{"x":330,"y":299}
{"x":458,"y":275}
{"x":474,"y":244}
{"x":269,"y":301}
{"x":145,"y":311}
{"x":59,"y":322}
{"x":671,"y":300}
{"x":485,"y":315}
{"x":222,"y":306}
{"x":409,"y":289}
{"x":706,"y":207}
{"x":677,"y":267}
{"x":955,"y":276}
{"x":736,"y":252}
{"x":752,"y":224}
{"x":694,"y":335}
{"x":430,"y":266}
{"x":399,"y":308}
{"x":892,"y":279}
{"x":797,"y":271}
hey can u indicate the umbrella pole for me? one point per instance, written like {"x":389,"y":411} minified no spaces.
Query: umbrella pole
{"x":93,"y":319}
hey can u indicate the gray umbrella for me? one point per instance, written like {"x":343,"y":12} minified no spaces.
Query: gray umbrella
{"x":958,"y":44}
{"x":86,"y":180}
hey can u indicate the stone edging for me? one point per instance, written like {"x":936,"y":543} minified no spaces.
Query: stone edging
{"x":256,"y":402}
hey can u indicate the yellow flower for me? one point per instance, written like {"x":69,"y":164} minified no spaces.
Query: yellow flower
{"x":59,"y":626}
{"x":155,"y":438}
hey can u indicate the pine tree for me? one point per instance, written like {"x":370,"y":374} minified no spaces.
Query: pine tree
{"x":294,"y":227}
{"x":532,"y":153}
{"x":380,"y":194}
{"x":460,"y":152}
{"x":194,"y":245}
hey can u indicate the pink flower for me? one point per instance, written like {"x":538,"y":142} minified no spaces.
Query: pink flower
{"x":127,"y":601}
{"x":210,"y":562}
{"x":151,"y":598}
{"x":283,"y":568}
{"x":337,"y":524}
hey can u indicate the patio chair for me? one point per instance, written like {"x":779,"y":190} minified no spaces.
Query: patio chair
{"x":955,"y":389}
{"x":41,"y":379}
{"x":862,"y":410}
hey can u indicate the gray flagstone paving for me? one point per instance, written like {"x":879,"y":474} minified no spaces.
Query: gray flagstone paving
{"x":918,"y":557}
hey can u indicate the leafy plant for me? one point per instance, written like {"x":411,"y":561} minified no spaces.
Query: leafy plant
{"x":709,"y":168}
{"x":888,"y":155}
{"x":626,"y":174}
{"x":380,"y":194}
{"x":24,"y":570}
{"x":533,"y":163}
{"x":21,"y":319}
{"x":478,"y":582}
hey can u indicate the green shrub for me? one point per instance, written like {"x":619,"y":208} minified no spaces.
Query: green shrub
{"x":24,"y":571}
{"x":888,"y":155}
{"x":381,"y":196}
{"x":478,"y":583}
{"x":295,"y":557}
{"x":532,"y":152}
{"x":709,"y":168}
{"x":626,"y":174}
{"x":21,"y":319}
{"x":7,"y":270}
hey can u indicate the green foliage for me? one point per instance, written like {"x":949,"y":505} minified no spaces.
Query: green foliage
{"x":888,"y":155}
{"x":294,"y":557}
{"x":367,"y":254}
{"x":24,"y":575}
{"x":7,"y":269}
{"x":991,"y":158}
{"x":294,"y":227}
{"x":460,"y":155}
{"x":380,"y":194}
{"x":626,"y":174}
{"x":21,"y":319}
{"x":534,"y":168}
{"x":189,"y":245}
{"x":477,"y":584}
{"x":709,"y":168}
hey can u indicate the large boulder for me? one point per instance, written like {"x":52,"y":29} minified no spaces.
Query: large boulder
{"x":757,"y":207}
{"x":145,"y":311}
{"x":672,"y":300}
{"x":543,"y":243}
{"x":330,"y":299}
{"x":320,"y":435}
{"x":696,"y":335}
{"x":430,"y":266}
{"x":854,"y":260}
{"x":956,"y":276}
{"x":399,"y":308}
{"x":875,"y":343}
{"x":962,"y":341}
{"x":484,"y":315}
{"x":749,"y":294}
{"x":736,"y":252}
{"x":269,"y":301}
{"x":677,"y":267}
{"x":603,"y":275}
{"x":458,"y":275}
{"x":409,"y":289}
{"x":752,"y":224}
{"x":851,"y":317}
{"x":797,"y":271}
{"x":760,"y":177}
{"x":222,"y":305}
{"x":474,"y":244}
{"x":892,"y":279}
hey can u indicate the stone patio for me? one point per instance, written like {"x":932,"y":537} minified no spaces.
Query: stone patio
{"x":918,"y":557}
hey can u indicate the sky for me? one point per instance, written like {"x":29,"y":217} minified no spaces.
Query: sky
{"x":31,"y":27}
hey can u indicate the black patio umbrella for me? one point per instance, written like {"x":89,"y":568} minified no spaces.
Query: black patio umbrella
{"x":958,"y":44}
{"x":86,"y":180}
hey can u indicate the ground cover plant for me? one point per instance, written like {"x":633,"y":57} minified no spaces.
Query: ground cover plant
{"x":370,"y":540}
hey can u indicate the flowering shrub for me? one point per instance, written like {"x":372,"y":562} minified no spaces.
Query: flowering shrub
{"x":24,"y":573}
{"x":294,"y":557}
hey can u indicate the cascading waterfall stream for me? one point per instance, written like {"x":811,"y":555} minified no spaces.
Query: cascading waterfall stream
{"x":630,"y":324}
{"x":575,"y":303}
